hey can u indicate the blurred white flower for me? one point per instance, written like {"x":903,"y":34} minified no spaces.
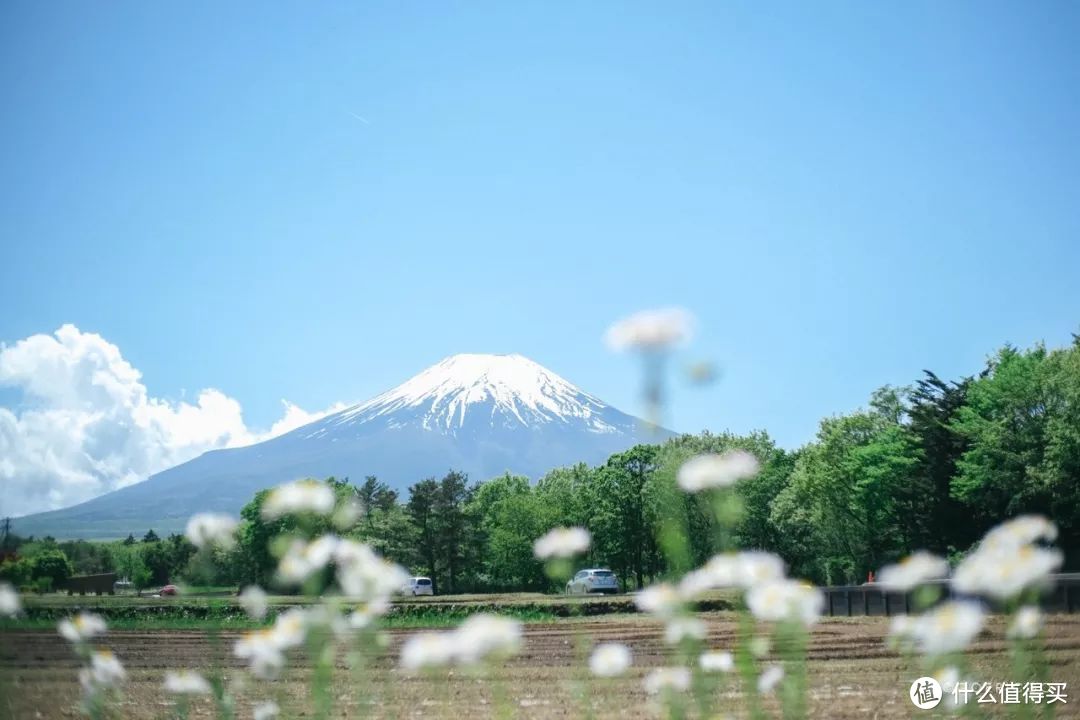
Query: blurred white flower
{"x":785,"y":600}
{"x":609,"y":660}
{"x":661,"y":600}
{"x":722,"y":661}
{"x":302,"y":560}
{"x":728,"y":570}
{"x":263,"y":652}
{"x":482,"y":635}
{"x":1027,"y":624}
{"x":714,"y":471}
{"x":427,"y":649}
{"x":1021,"y":530}
{"x":105,"y":671}
{"x":770,"y":678}
{"x":948,"y":628}
{"x":1003,"y":570}
{"x":266,"y":710}
{"x":82,"y":627}
{"x":756,"y":567}
{"x":759,"y":646}
{"x":650,"y":330}
{"x":299,"y":497}
{"x":9,"y":601}
{"x":562,"y":542}
{"x":253,"y":600}
{"x":362,"y":574}
{"x":207,"y":529}
{"x":186,"y":682}
{"x":914,"y":570}
{"x":290,"y":628}
{"x":346,"y":516}
{"x":684,"y":628}
{"x":667,"y":679}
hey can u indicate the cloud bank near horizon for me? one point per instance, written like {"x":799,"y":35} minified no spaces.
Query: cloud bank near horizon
{"x":87,"y":425}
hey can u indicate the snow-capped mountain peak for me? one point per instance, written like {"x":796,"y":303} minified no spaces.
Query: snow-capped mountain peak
{"x":470,"y":390}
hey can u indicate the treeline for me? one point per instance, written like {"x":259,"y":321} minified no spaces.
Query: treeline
{"x":930,"y":466}
{"x":46,"y":564}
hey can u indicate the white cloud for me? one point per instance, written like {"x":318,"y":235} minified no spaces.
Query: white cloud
{"x":86,"y":424}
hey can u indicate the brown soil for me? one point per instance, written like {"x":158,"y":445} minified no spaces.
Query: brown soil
{"x":851,"y":674}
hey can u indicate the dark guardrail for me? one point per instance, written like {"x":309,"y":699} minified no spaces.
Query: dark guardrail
{"x":1063,"y":596}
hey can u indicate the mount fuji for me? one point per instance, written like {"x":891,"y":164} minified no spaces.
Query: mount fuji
{"x":480,"y":414}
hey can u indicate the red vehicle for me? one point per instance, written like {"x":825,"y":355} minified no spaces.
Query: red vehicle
{"x":169,"y":590}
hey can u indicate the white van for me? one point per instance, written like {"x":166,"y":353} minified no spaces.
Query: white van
{"x":418,"y":586}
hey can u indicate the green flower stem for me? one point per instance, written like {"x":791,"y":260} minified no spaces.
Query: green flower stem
{"x":746,"y":666}
{"x":321,"y":649}
{"x":792,"y":639}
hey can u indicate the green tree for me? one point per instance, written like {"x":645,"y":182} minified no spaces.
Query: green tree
{"x":52,"y":565}
{"x":1020,"y":421}
{"x":421,"y":509}
{"x":854,"y":481}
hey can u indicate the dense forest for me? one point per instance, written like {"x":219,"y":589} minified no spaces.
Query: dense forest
{"x":932,"y":466}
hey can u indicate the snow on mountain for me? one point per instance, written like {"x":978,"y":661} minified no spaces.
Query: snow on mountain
{"x":480,"y":414}
{"x":507,"y":390}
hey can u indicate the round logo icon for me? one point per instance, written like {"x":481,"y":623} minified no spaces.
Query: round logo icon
{"x":925,"y":693}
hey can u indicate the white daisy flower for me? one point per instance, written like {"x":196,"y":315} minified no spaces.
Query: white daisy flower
{"x":769,"y":679}
{"x":758,"y":566}
{"x":948,"y":628}
{"x":263,"y":652}
{"x":208,"y":529}
{"x":661,"y":600}
{"x":785,"y":600}
{"x":298,"y":497}
{"x":266,"y":710}
{"x":651,"y":330}
{"x":290,"y":628}
{"x":722,"y":661}
{"x":684,"y":628}
{"x":1022,"y":530}
{"x":186,"y":682}
{"x":105,"y":671}
{"x":714,"y":471}
{"x":667,"y":680}
{"x":483,"y":635}
{"x":253,"y":600}
{"x":362,"y":574}
{"x":82,"y":627}
{"x":346,"y":516}
{"x":609,"y":660}
{"x":1003,"y":571}
{"x":302,"y":560}
{"x":425,"y":650}
{"x":562,"y":542}
{"x":914,"y":570}
{"x":1027,"y":624}
{"x":9,"y":601}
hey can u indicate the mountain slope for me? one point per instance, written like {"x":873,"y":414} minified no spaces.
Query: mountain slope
{"x":481,"y":414}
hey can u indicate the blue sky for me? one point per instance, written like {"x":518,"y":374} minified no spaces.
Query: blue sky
{"x":315,"y":201}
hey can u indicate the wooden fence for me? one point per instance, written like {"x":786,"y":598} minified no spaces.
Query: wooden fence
{"x":872,"y":599}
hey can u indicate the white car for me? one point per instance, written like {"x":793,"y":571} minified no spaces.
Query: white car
{"x":418,"y":586}
{"x":593,"y":580}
